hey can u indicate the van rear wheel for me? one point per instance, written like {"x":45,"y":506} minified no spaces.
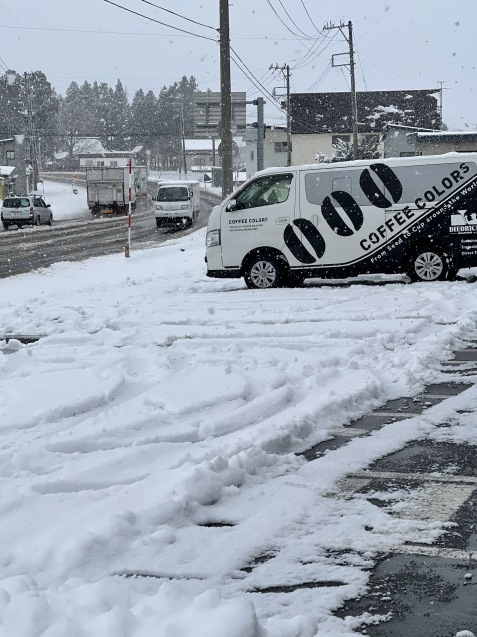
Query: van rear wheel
{"x":264,"y":271}
{"x":428,"y":264}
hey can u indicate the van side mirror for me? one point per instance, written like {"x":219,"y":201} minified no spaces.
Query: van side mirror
{"x":232,"y":205}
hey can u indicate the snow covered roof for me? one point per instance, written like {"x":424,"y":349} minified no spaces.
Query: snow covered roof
{"x":97,"y":149}
{"x":331,"y":112}
{"x":447,"y":134}
{"x":6,"y":171}
{"x":89,"y":145}
{"x":205,"y":145}
{"x":199,"y":144}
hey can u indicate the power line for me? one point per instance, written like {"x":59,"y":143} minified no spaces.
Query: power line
{"x":306,"y":10}
{"x":360,"y":65}
{"x":284,"y":23}
{"x":291,"y":19}
{"x":201,"y":24}
{"x":248,"y":73}
{"x":321,"y":77}
{"x":141,"y":15}
{"x":313,"y":55}
{"x":103,"y":32}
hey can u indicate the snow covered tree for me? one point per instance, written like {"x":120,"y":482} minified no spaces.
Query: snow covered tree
{"x":367,"y":149}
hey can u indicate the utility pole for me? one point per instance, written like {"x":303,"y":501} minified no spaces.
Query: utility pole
{"x":226,"y":100}
{"x":33,"y":148}
{"x":354,"y":107}
{"x":285,"y":68}
{"x":260,"y":132}
{"x":441,"y":90}
{"x":183,"y":144}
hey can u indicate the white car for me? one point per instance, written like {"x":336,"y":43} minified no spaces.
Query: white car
{"x":30,"y":210}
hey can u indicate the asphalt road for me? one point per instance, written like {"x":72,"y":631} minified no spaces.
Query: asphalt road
{"x":73,"y":240}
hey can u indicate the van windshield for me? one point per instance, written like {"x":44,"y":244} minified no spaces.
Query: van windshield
{"x":264,"y":191}
{"x":16,"y":203}
{"x":173,"y":193}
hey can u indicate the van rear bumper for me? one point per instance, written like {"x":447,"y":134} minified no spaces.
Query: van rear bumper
{"x":224,"y":274}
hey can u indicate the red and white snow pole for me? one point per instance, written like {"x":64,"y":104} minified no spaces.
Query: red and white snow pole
{"x":127,"y":250}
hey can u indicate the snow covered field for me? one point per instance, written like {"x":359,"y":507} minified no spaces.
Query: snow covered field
{"x":159,"y":405}
{"x":64,"y":203}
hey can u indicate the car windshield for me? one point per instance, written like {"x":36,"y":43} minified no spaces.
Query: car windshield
{"x":172,"y":193}
{"x":16,"y":203}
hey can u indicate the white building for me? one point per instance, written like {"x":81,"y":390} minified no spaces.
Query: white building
{"x":274,"y":148}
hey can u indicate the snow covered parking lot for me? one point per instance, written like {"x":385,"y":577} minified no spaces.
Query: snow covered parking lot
{"x":148,"y":469}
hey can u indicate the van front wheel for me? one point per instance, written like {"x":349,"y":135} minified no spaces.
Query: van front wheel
{"x":428,"y":264}
{"x":263,"y":271}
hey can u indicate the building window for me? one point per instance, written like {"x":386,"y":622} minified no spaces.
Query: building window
{"x":10,"y":156}
{"x":409,"y":154}
{"x":252,"y":155}
{"x":280,"y":147}
{"x":99,"y":163}
{"x":113,"y":163}
{"x":343,"y":138}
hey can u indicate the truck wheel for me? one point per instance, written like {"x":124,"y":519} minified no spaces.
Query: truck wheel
{"x":428,"y":264}
{"x":36,"y":222}
{"x":50,"y":220}
{"x":263,"y":271}
{"x":5,"y":225}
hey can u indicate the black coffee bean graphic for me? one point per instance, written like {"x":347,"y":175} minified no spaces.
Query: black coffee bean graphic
{"x":313,"y":235}
{"x":296,"y":247}
{"x":350,"y":208}
{"x":390,"y":182}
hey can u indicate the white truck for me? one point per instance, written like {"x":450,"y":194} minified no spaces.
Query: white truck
{"x":177,"y":203}
{"x":412,"y":215}
{"x":107,"y":188}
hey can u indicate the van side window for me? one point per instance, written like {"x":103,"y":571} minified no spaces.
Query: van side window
{"x":264,"y":191}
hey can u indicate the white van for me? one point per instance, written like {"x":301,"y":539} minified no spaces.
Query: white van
{"x":415,"y":215}
{"x":177,"y":203}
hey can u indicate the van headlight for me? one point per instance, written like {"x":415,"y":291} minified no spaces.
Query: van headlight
{"x":212,"y":239}
{"x":159,"y":207}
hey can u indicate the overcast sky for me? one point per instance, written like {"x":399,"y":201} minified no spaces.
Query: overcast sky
{"x":400,"y":45}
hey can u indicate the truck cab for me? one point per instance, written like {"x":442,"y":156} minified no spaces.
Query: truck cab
{"x":177,"y":203}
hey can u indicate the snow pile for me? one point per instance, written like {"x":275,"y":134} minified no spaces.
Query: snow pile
{"x":148,"y":468}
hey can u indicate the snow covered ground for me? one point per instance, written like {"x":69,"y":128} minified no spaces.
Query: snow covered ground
{"x":159,"y":405}
{"x":64,"y":203}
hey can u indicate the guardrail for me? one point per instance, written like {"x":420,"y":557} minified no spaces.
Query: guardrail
{"x":207,"y":195}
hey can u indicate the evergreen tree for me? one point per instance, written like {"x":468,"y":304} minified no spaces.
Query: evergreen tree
{"x":12,"y":107}
{"x":29,"y":105}
{"x":119,"y":118}
{"x":144,"y":124}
